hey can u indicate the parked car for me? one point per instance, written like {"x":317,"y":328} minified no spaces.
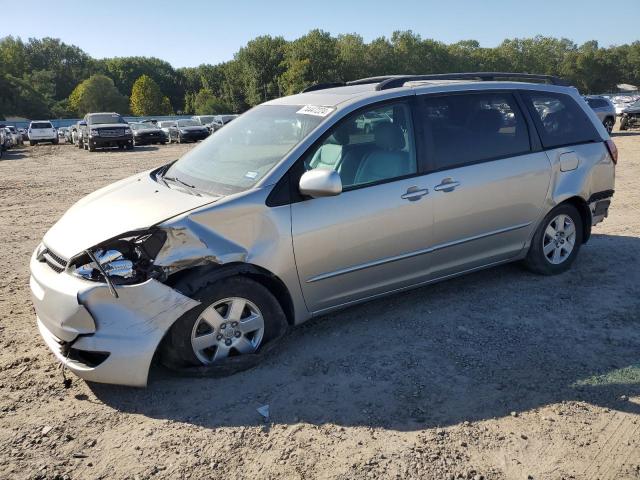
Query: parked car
{"x":605,"y":110}
{"x":203,"y":120}
{"x":62,"y":132}
{"x":68,"y":134}
{"x":106,"y":130}
{"x":147,"y":134}
{"x":8,"y":138}
{"x":76,"y":133}
{"x":16,"y":136}
{"x":220,"y":121}
{"x":25,"y":135}
{"x":187,"y":130}
{"x":3,"y":139}
{"x":42,"y":131}
{"x":621,"y":102}
{"x":169,"y":127}
{"x":630,"y":116}
{"x":293,"y":210}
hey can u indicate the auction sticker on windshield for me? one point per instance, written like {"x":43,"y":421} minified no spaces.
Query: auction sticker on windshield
{"x":316,"y":110}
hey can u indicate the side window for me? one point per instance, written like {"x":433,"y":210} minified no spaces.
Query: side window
{"x":368,"y":147}
{"x":559,"y":119}
{"x":466,"y":128}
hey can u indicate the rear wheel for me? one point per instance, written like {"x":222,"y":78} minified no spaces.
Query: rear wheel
{"x":557,"y":241}
{"x":237,"y":316}
{"x":624,"y":123}
{"x":92,"y":148}
{"x":32,"y":143}
{"x":608,"y":124}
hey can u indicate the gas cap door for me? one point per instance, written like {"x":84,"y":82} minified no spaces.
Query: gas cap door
{"x":569,"y":161}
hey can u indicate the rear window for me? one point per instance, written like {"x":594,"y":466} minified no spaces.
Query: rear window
{"x":559,"y":119}
{"x":41,"y":125}
{"x":467,"y":128}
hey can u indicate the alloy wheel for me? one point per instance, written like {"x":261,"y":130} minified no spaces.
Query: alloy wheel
{"x":231,"y":326}
{"x":559,"y":239}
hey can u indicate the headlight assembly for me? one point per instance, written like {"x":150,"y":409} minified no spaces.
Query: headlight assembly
{"x":95,"y":132}
{"x":125,"y":260}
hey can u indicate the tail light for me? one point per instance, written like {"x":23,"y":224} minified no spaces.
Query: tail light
{"x":613,"y":151}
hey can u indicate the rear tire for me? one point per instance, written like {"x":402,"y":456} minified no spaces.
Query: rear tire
{"x":557,"y":241}
{"x":179,"y":349}
{"x":623,"y":123}
{"x":91,"y":148}
{"x":32,"y":143}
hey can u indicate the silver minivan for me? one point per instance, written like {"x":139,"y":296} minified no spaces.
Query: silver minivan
{"x":315,"y":202}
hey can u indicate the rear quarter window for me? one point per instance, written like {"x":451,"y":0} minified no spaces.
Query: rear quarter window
{"x":559,"y":119}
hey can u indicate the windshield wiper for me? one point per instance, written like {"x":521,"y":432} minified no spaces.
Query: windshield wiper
{"x":193,"y":190}
{"x":182,"y":182}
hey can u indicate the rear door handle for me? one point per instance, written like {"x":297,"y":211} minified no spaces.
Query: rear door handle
{"x":447,"y":185}
{"x":414,"y":193}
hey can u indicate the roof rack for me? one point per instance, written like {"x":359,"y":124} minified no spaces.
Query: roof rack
{"x":322,"y":86}
{"x":386,"y":82}
{"x":395,"y":81}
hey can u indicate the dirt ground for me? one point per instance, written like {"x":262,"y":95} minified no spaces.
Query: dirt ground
{"x":498,"y":375}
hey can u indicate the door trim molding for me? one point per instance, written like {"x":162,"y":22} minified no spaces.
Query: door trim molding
{"x":415,"y":253}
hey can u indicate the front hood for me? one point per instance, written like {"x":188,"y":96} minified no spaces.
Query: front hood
{"x":148,"y":130}
{"x":110,"y":125}
{"x":631,"y":110}
{"x":134,"y":203}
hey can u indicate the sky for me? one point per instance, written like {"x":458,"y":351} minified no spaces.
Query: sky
{"x":191,"y":32}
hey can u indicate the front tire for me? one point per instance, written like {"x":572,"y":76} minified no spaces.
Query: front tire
{"x":557,"y":241}
{"x":236,"y":316}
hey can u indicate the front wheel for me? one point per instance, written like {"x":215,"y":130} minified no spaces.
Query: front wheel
{"x":556,"y":243}
{"x":237,"y":316}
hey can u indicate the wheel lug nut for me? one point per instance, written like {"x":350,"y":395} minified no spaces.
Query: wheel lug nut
{"x":223,"y":326}
{"x":227,"y":342}
{"x":238,"y":333}
{"x":234,"y":324}
{"x":219,"y":337}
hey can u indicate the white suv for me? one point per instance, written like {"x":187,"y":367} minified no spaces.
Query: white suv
{"x":42,"y":131}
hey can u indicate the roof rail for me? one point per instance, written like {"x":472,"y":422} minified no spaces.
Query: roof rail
{"x":386,"y":82}
{"x":395,"y":81}
{"x":322,"y":86}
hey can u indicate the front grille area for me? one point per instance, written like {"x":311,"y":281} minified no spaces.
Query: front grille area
{"x":56,"y":263}
{"x":111,"y":132}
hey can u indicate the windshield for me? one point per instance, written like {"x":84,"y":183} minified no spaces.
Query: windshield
{"x":240,"y":154}
{"x":105,"y":118}
{"x":188,"y":123}
{"x":204,"y":119}
{"x":142,"y":126}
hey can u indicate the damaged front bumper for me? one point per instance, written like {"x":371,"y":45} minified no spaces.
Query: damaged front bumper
{"x":97,"y":336}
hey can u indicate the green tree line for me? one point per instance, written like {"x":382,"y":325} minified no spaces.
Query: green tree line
{"x":48,"y":78}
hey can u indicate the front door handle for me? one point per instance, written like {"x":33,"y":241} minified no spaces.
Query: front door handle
{"x":447,"y":185}
{"x":414,"y":193}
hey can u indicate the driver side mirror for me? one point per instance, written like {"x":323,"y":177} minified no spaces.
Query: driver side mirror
{"x":320,"y":182}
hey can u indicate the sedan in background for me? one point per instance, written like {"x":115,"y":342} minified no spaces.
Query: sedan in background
{"x":147,"y":134}
{"x":190,"y":131}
